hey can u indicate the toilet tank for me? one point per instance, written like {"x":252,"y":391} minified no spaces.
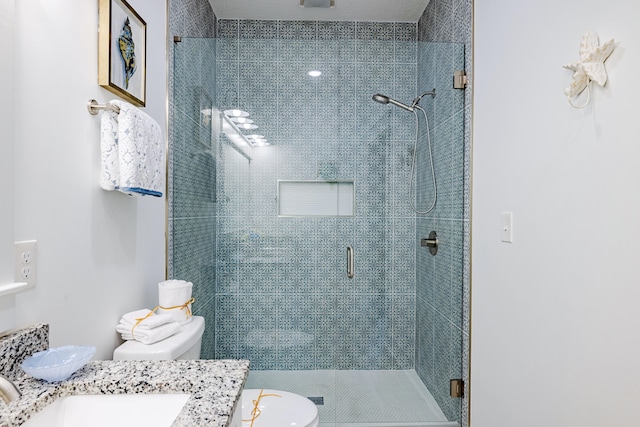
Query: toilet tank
{"x":183,"y":345}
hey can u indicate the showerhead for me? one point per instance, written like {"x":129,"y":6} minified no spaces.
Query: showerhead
{"x":382,"y":99}
{"x":378,"y":97}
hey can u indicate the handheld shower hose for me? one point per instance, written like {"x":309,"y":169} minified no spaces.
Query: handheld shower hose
{"x":383,"y":99}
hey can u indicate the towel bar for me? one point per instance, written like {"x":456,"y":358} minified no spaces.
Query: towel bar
{"x":94,"y":107}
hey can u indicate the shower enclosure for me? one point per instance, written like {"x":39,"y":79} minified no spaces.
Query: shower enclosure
{"x":268,"y":260}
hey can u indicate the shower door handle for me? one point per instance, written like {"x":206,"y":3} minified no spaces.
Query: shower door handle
{"x":350,"y":262}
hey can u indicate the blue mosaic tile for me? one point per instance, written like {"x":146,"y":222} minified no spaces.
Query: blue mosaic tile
{"x":257,"y":29}
{"x":403,"y":125}
{"x":441,"y":297}
{"x":296,"y":50}
{"x":336,"y":30}
{"x":467,"y":164}
{"x":406,"y":32}
{"x":228,"y":28}
{"x":405,"y":84}
{"x":257,"y":49}
{"x":207,"y":311}
{"x":374,"y":31}
{"x":405,"y":52}
{"x":330,"y":51}
{"x":297,"y":30}
{"x":375,"y":51}
{"x":458,"y":164}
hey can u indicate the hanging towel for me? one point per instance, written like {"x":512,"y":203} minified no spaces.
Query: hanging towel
{"x":174,"y":298}
{"x":149,"y":336}
{"x":110,"y":171}
{"x":132,"y":152}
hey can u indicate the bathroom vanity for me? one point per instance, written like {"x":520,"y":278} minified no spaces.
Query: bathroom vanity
{"x":214,"y":386}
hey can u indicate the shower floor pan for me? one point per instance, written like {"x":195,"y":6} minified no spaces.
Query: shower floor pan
{"x":360,"y":398}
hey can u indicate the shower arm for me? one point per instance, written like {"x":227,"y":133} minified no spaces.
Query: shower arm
{"x":417,"y":100}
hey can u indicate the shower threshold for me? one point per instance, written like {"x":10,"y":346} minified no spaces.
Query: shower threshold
{"x":358,"y":398}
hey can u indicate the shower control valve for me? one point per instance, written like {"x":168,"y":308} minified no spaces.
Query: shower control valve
{"x":431,"y":242}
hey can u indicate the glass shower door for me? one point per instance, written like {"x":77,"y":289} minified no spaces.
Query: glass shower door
{"x":439,"y":278}
{"x":273,"y":286}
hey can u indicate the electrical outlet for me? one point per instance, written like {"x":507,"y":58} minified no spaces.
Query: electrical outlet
{"x":26,"y":257}
{"x":26,"y":262}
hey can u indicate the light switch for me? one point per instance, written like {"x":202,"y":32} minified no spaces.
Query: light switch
{"x":506,"y":227}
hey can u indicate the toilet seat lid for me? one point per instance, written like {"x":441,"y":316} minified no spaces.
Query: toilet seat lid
{"x":284,"y":409}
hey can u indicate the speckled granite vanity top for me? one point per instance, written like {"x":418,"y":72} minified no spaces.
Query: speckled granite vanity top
{"x":214,"y":385}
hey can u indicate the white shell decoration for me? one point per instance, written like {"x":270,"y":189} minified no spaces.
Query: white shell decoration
{"x":590,"y":66}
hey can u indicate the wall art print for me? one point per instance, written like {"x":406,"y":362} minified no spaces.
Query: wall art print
{"x":122,"y":51}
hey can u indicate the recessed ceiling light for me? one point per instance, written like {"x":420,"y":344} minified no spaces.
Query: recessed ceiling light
{"x":315,"y":73}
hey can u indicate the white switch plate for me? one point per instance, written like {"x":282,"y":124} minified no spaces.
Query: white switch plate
{"x":506,"y":227}
{"x":26,"y":262}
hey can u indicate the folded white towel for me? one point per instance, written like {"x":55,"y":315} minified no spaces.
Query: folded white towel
{"x":149,"y":336}
{"x":175,"y":293}
{"x":135,"y":140}
{"x":149,"y":321}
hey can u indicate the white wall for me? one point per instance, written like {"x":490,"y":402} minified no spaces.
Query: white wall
{"x":555,"y":324}
{"x":7,"y":303}
{"x":100,"y":253}
{"x":6,"y":140}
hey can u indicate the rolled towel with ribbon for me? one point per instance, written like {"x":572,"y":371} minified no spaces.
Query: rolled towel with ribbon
{"x":174,"y":298}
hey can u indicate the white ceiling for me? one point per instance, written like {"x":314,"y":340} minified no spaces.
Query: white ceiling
{"x":344,"y":10}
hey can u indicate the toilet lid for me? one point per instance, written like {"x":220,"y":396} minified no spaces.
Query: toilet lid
{"x":277,"y":408}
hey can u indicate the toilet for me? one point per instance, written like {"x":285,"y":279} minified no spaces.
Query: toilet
{"x":185,"y":344}
{"x":278,"y":408}
{"x":285,"y":409}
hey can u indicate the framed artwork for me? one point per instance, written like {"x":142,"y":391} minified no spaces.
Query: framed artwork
{"x":122,"y":51}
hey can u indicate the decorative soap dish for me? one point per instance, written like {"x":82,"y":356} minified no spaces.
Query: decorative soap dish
{"x":57,"y":364}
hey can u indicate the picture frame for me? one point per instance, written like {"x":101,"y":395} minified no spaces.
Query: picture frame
{"x":122,"y":51}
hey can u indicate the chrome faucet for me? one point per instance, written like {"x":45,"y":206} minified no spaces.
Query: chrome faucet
{"x":8,"y":390}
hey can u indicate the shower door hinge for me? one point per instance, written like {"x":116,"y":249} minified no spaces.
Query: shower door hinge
{"x":456,"y":388}
{"x":460,"y":79}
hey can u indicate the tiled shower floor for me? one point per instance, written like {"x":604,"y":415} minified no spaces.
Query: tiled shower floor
{"x":360,"y":398}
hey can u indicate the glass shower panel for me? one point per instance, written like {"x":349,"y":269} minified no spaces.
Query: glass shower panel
{"x":274,"y":289}
{"x":192,"y":171}
{"x":439,"y":278}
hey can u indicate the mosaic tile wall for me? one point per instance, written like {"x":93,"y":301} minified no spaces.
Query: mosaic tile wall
{"x":449,"y":21}
{"x":283,"y":298}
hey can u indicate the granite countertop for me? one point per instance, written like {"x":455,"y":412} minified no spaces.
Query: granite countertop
{"x":215,"y":387}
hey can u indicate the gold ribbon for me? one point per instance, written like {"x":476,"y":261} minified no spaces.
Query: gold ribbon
{"x":184,"y":306}
{"x":255,"y":412}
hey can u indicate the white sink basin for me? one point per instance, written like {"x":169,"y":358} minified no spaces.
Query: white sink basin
{"x":109,"y":410}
